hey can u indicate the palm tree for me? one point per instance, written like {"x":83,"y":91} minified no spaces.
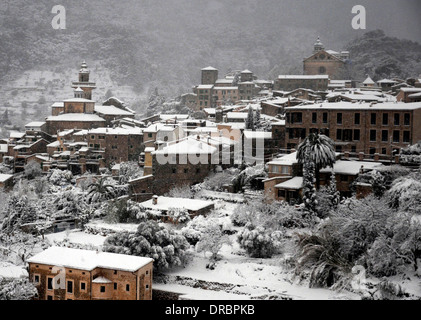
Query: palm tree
{"x":321,"y":152}
{"x":100,"y":190}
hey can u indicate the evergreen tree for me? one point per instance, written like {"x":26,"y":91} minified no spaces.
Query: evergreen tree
{"x":309,"y":189}
{"x":250,"y":119}
{"x":332,"y":190}
{"x":257,"y":118}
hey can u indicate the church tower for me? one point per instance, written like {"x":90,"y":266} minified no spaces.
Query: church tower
{"x":83,"y":82}
{"x":318,"y":46}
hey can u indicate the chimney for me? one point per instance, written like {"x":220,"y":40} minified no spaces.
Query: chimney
{"x":155,"y":200}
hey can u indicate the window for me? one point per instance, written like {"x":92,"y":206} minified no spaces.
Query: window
{"x":385,"y":121}
{"x":396,"y":119}
{"x":70,"y":286}
{"x":49,"y":283}
{"x":343,"y":178}
{"x":314,"y":117}
{"x":186,"y":170}
{"x":324,"y":117}
{"x":36,"y":278}
{"x":174,"y":170}
{"x":127,"y":287}
{"x":147,"y":287}
{"x":353,"y":149}
{"x":372,"y":150}
{"x":357,"y":119}
{"x":356,"y":135}
{"x":102,"y":289}
{"x":407,"y":119}
{"x":296,"y":117}
{"x":82,"y":286}
{"x":347,"y":135}
{"x":49,"y":297}
{"x":339,"y":134}
{"x":197,"y":170}
{"x":285,"y":170}
{"x":396,"y":136}
{"x":92,"y":137}
{"x":339,"y":118}
{"x":115,"y":285}
{"x":149,"y":135}
{"x":385,"y":135}
{"x":338,"y":148}
{"x":384,"y":151}
{"x":322,"y":70}
{"x":373,"y":119}
{"x":373,"y":134}
{"x":406,"y":137}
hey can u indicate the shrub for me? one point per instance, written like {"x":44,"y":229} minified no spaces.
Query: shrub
{"x":259,"y":242}
{"x":166,"y":247}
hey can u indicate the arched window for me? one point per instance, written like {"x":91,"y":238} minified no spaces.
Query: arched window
{"x":322,"y":70}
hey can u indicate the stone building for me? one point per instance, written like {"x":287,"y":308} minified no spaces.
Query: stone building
{"x":293,"y":82}
{"x":61,"y":273}
{"x":327,"y":62}
{"x":373,"y":130}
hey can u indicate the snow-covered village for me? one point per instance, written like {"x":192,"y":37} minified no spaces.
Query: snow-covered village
{"x":239,"y":179}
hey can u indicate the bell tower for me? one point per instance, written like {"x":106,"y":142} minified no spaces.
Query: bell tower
{"x":83,"y":82}
{"x":318,"y":46}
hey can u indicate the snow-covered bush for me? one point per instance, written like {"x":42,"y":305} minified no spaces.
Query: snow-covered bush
{"x":129,"y":171}
{"x":405,"y":194}
{"x":178,"y":215}
{"x":212,"y":239}
{"x":184,"y":192}
{"x":32,"y":170}
{"x":259,"y":242}
{"x":166,"y":247}
{"x":366,"y":232}
{"x":19,"y":210}
{"x":17,"y":289}
{"x":194,"y":229}
{"x":59,"y":177}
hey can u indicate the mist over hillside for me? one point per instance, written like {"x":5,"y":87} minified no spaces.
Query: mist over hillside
{"x":164,"y":44}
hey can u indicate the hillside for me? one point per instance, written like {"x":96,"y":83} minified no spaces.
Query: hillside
{"x":140,"y":45}
{"x":382,"y":56}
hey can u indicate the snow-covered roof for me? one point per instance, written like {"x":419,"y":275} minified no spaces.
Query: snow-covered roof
{"x":352,"y":167}
{"x":368,"y":81}
{"x":54,"y":144}
{"x":345,"y":105}
{"x":295,"y":183}
{"x":257,"y":135}
{"x":205,"y":86}
{"x":158,"y":127}
{"x":225,"y":88}
{"x":166,"y":203}
{"x":5,"y":177}
{"x":302,"y":77}
{"x":415,"y":95}
{"x":224,"y":81}
{"x":89,"y":260}
{"x":77,"y":117}
{"x":209,"y":69}
{"x":187,"y":146}
{"x":286,"y":160}
{"x":117,"y":131}
{"x":237,"y":115}
{"x":35,"y":124}
{"x":57,"y":105}
{"x":78,"y":100}
{"x":411,"y":89}
{"x":174,"y":116}
{"x":387,"y":81}
{"x":112,"y":110}
{"x":101,"y":280}
{"x":246,"y":71}
{"x":17,"y":135}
